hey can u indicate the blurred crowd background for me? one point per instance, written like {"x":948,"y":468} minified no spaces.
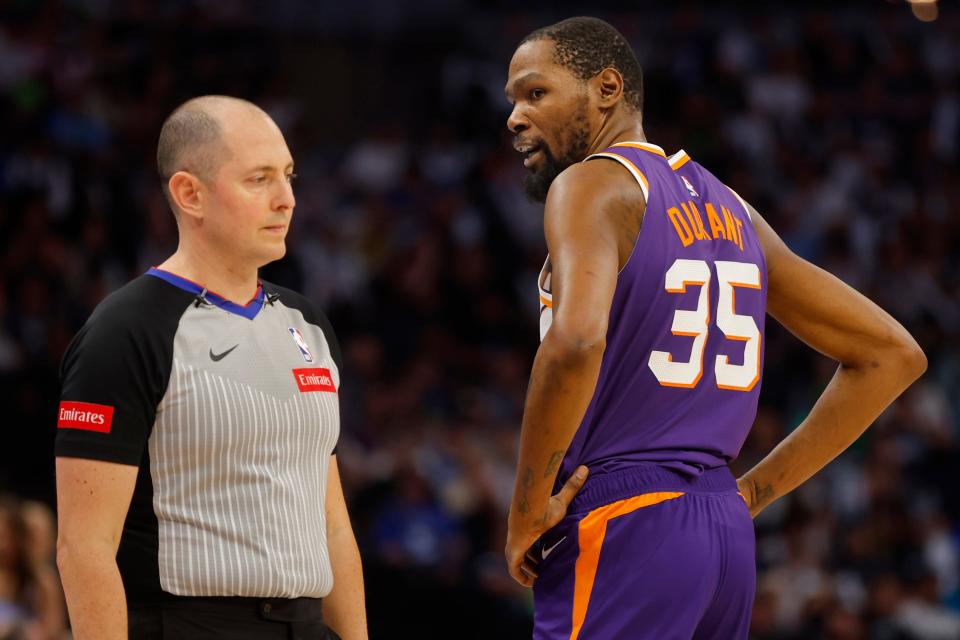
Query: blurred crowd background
{"x":841,"y":125}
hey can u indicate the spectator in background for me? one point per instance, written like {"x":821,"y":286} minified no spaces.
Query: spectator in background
{"x":31,"y":602}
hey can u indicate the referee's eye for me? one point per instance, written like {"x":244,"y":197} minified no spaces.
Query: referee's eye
{"x":292,"y":177}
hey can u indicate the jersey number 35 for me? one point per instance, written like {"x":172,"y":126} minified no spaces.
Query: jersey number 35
{"x":696,"y":323}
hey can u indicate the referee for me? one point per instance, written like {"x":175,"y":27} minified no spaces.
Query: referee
{"x":197,"y":483}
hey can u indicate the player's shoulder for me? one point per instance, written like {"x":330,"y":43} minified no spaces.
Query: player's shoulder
{"x":592,"y":175}
{"x":587,"y":190}
{"x":143,"y":304}
{"x":594,"y":182}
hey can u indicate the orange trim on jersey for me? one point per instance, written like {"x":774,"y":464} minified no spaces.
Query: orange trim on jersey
{"x":716,"y":225}
{"x":688,"y":334}
{"x":546,"y":301}
{"x":683,"y":288}
{"x":641,"y":145}
{"x":733,"y":308}
{"x":745,"y":285}
{"x":756,"y":377}
{"x":685,"y":234}
{"x":679,"y":162}
{"x":592,"y":530}
{"x":696,"y":222}
{"x":729,"y":221}
{"x":703,"y":351}
{"x":619,"y":158}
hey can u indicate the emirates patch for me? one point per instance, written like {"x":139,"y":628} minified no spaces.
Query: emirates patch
{"x":314,"y":379}
{"x":85,"y":415}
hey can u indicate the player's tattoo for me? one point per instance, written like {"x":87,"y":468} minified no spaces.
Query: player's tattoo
{"x":526,"y":396}
{"x":523,"y":505}
{"x":762,"y":493}
{"x":623,"y":210}
{"x":555,"y":459}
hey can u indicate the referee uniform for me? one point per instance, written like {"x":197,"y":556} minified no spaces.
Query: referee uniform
{"x":231,"y":414}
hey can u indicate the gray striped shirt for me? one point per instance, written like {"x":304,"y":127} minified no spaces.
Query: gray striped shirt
{"x":239,"y":444}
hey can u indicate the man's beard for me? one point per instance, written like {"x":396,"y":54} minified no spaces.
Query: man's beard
{"x":537,"y":182}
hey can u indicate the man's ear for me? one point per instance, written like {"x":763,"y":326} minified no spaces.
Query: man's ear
{"x":610,"y":87}
{"x":185,"y":191}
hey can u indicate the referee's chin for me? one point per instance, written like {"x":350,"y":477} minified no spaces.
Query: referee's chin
{"x":271,"y":253}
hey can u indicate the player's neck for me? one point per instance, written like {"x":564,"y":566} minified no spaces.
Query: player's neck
{"x":235,"y":283}
{"x":618,"y":128}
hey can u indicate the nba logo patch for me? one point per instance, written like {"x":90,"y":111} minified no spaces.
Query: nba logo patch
{"x":690,"y":188}
{"x":301,"y":344}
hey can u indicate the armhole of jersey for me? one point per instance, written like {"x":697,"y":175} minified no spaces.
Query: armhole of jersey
{"x":543,"y":285}
{"x":744,"y":203}
{"x":632,"y":168}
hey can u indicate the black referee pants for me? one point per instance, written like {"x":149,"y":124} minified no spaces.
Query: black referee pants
{"x":229,"y":619}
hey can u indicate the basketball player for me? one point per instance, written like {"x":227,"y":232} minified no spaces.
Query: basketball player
{"x":653,"y":300}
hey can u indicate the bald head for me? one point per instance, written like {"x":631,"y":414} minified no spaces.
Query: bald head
{"x":192,"y":137}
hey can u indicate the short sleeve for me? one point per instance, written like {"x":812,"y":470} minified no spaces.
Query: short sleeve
{"x":113,"y":376}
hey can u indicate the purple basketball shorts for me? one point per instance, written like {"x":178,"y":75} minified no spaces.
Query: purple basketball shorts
{"x":648,"y":553}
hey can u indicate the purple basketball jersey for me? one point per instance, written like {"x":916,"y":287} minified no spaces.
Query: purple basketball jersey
{"x":681,"y":374}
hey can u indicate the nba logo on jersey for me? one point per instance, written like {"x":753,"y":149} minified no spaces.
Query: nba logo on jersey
{"x":690,"y":188}
{"x":301,"y":344}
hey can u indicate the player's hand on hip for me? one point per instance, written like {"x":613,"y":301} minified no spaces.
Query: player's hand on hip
{"x":748,"y":491}
{"x":560,"y":502}
{"x":522,"y":559}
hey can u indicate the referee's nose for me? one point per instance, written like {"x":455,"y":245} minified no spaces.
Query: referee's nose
{"x":283,"y":199}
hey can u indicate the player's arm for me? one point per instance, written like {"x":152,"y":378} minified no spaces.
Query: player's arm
{"x":344,"y":609}
{"x":580,"y":221}
{"x":92,"y":502}
{"x":878,"y":361}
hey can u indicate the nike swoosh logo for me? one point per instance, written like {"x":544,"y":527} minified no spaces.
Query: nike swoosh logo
{"x":549,"y":550}
{"x":217,"y":357}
